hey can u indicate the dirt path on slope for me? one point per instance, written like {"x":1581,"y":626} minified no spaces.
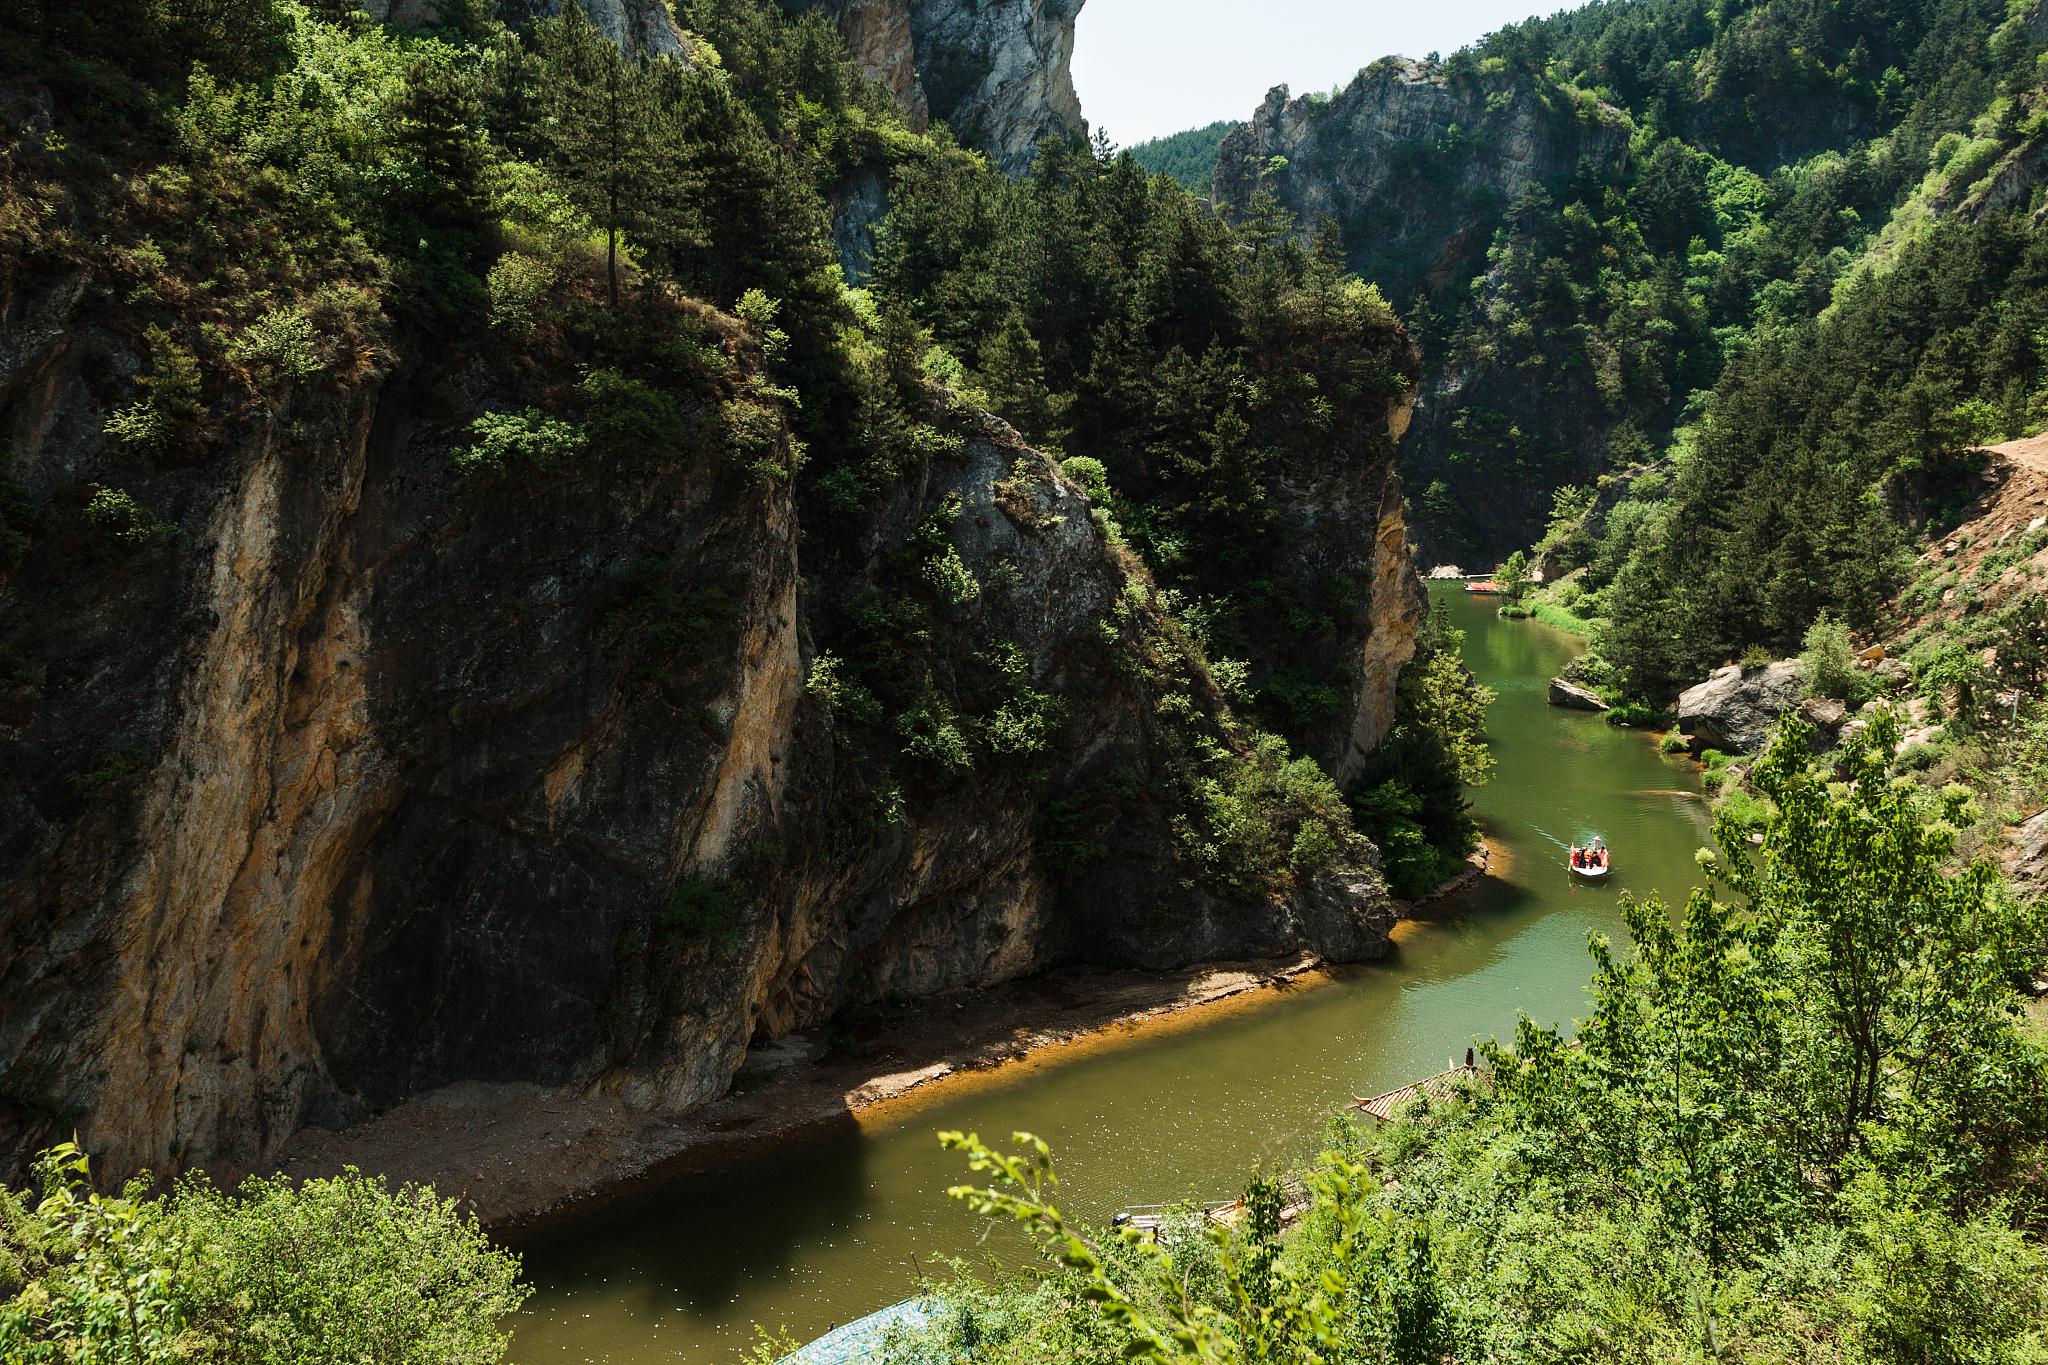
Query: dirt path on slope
{"x":2012,"y":505}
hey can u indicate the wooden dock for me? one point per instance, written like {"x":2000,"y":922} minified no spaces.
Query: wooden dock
{"x":1445,"y":1085}
{"x":1149,"y":1218}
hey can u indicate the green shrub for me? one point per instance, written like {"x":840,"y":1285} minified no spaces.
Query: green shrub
{"x":164,"y":418}
{"x":1634,"y":715}
{"x":1392,"y":817}
{"x":504,"y":439}
{"x":626,"y":416}
{"x":281,"y":1272}
{"x":279,"y":347}
{"x":1743,"y":810}
{"x":949,"y":576}
{"x":1246,"y":810}
{"x":1827,"y":662}
{"x":141,"y":427}
{"x":1089,"y":474}
{"x":849,"y":702}
{"x":1673,"y":743}
{"x":117,"y":514}
{"x":111,"y":770}
{"x":1718,"y":766}
{"x":752,"y":430}
{"x":759,"y":311}
{"x":1025,"y":721}
{"x":932,"y":734}
{"x":518,"y":287}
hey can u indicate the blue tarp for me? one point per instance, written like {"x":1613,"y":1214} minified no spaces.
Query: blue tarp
{"x":857,"y":1341}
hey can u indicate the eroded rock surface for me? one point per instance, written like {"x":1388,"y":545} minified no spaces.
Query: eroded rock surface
{"x":374,"y":779}
{"x":997,"y":72}
{"x":1736,"y":708}
{"x":2025,"y":856}
{"x":1414,"y":167}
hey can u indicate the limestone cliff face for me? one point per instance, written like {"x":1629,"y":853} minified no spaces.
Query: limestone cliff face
{"x":1398,"y":606}
{"x":997,"y":72}
{"x":1343,"y":522}
{"x":373,"y":779}
{"x":1415,"y":168}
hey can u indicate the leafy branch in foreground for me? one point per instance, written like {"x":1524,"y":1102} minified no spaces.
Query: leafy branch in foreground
{"x":1801,"y":1121}
{"x":328,"y":1270}
{"x":1262,"y":1308}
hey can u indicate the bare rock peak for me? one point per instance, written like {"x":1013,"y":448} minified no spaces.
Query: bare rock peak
{"x":997,"y":72}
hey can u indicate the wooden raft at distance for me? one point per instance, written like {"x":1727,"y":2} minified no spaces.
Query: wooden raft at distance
{"x":1445,"y":1085}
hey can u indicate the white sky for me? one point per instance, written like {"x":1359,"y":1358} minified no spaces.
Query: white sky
{"x":1145,"y":68}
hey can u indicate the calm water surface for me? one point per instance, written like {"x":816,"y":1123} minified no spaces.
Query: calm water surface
{"x":818,"y":1233}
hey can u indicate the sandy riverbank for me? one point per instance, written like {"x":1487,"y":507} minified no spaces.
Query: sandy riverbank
{"x":516,"y":1152}
{"x":513,"y":1152}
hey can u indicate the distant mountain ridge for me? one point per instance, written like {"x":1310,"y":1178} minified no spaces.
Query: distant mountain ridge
{"x":1586,"y":217}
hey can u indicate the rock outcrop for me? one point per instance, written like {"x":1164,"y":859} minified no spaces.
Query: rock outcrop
{"x":2025,"y":856}
{"x":1736,"y":708}
{"x":1414,"y":167}
{"x":372,"y":779}
{"x":997,"y":72}
{"x":1343,"y":521}
{"x":1565,"y":692}
{"x":1417,"y":169}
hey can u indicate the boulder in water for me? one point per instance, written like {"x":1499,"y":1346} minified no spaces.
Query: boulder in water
{"x":1564,"y":692}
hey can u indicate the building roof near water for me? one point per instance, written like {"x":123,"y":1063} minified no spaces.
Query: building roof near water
{"x":1442,"y":1086}
{"x":858,"y":1341}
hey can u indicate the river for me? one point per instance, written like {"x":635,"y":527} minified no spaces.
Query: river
{"x":817,"y":1233}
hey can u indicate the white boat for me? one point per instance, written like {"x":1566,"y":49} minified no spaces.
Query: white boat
{"x":1592,"y":862}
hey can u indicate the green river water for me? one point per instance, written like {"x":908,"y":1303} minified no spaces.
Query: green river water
{"x":820,"y":1232}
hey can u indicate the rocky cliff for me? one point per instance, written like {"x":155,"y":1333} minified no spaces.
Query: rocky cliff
{"x":1414,"y":167}
{"x":345,"y":777}
{"x":1417,"y":169}
{"x":995,"y":71}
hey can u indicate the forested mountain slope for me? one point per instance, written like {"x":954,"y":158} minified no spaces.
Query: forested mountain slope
{"x":481,"y":598}
{"x":1188,"y":157}
{"x":1581,"y":301}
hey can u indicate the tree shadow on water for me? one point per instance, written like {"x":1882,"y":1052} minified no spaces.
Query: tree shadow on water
{"x":691,"y":1240}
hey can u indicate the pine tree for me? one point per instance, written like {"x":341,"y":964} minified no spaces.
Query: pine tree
{"x":1013,"y":376}
{"x":600,"y":126}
